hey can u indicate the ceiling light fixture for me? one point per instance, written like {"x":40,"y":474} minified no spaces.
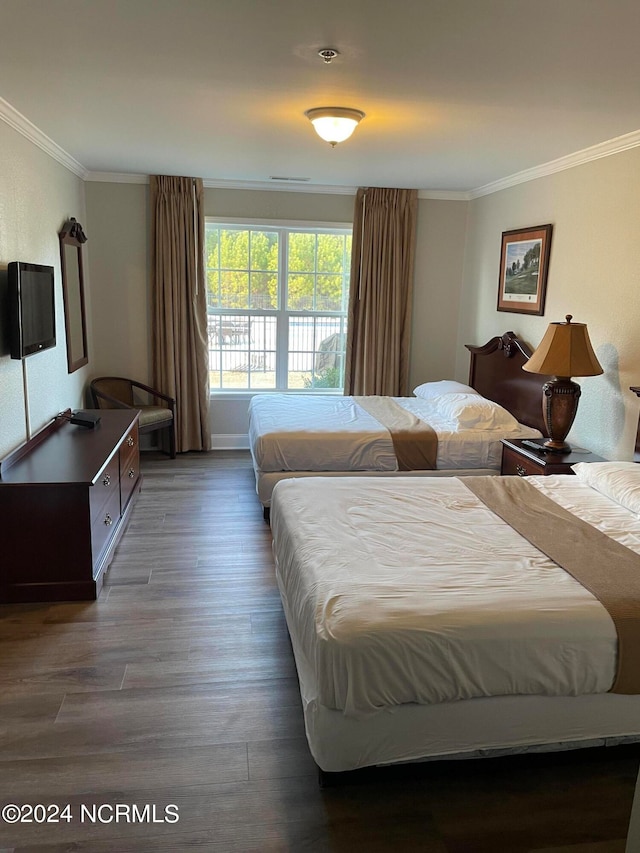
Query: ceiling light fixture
{"x":334,"y":124}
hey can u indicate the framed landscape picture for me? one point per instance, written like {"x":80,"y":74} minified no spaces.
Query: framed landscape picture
{"x":524,"y":260}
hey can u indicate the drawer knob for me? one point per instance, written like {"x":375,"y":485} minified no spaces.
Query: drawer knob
{"x":108,"y":520}
{"x":520,"y":471}
{"x":132,"y":473}
{"x":106,"y":480}
{"x":130,"y":441}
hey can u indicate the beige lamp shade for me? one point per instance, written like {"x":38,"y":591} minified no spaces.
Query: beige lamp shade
{"x":565,"y":350}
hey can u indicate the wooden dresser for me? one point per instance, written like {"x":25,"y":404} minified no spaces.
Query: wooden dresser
{"x":65,"y":500}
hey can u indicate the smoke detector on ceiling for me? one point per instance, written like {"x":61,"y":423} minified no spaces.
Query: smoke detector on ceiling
{"x":328,"y":53}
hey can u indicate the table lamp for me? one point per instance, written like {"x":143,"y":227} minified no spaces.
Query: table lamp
{"x":564,"y":351}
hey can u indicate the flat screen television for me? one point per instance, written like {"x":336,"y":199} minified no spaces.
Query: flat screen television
{"x":32,"y":315}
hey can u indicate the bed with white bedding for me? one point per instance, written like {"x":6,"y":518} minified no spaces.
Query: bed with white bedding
{"x":423,"y":625}
{"x":293,"y":435}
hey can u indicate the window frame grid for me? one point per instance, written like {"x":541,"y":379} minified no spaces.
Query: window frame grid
{"x":282,"y":314}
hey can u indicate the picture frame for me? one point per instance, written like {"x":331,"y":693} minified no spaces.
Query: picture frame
{"x":524,"y":262}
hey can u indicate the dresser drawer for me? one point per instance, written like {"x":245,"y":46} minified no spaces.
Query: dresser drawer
{"x":105,"y":486}
{"x":131,"y":442}
{"x":105,"y":524}
{"x":129,"y":466}
{"x":129,"y":475}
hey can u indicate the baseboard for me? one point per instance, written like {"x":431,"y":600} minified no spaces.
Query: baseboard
{"x":231,"y":441}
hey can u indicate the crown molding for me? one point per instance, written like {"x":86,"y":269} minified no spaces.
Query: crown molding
{"x":278,"y":186}
{"x":18,"y":122}
{"x":300,"y":187}
{"x":270,"y":186}
{"x":445,"y":195}
{"x":587,"y":155}
{"x":221,"y":183}
{"x":116,"y":178}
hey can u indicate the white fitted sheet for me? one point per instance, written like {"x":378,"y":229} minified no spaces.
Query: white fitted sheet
{"x":476,"y":728}
{"x":266,"y":480}
{"x":411,"y":591}
{"x":289,"y":432}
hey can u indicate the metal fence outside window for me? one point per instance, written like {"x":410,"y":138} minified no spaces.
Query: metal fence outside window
{"x":242,"y":351}
{"x":277,"y":301}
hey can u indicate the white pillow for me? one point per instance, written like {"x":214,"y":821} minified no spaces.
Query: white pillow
{"x":429,"y":390}
{"x":619,"y":481}
{"x":470,"y":411}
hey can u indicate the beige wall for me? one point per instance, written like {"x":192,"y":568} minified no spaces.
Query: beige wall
{"x":437,"y":285}
{"x":593,"y":275}
{"x":296,"y":206}
{"x":37,"y":195}
{"x":117,"y":216}
{"x":119,"y":220}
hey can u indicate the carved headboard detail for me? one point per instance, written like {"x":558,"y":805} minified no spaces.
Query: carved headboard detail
{"x":495,"y":371}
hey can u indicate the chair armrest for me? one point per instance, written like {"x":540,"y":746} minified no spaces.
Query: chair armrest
{"x":170,"y":400}
{"x":116,"y":404}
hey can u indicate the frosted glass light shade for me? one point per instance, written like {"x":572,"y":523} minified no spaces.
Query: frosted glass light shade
{"x":334,"y":124}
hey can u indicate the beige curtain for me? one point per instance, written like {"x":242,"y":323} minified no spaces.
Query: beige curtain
{"x":379,"y":324}
{"x":179,"y":321}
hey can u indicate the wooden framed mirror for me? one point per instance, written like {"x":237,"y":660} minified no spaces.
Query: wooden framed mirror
{"x":71,"y":239}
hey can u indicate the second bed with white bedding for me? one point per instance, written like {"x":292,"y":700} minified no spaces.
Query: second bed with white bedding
{"x":302,"y":435}
{"x":332,"y":433}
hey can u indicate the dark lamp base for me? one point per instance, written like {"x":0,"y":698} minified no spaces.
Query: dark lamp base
{"x":559,"y":406}
{"x":556,"y":446}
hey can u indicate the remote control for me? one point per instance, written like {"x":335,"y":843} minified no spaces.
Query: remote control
{"x":533,"y":445}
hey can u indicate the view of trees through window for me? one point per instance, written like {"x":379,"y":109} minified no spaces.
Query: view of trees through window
{"x":277,"y":303}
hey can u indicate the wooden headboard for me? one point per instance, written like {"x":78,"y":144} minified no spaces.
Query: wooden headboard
{"x":495,"y":371}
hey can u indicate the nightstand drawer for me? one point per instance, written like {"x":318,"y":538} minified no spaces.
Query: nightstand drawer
{"x":514,"y":463}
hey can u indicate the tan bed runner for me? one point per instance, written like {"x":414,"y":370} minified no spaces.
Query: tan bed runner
{"x":609,"y":570}
{"x":415,"y":442}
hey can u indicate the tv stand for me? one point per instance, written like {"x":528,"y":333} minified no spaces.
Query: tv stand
{"x":66,"y":496}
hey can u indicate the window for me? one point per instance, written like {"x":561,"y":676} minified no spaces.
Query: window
{"x":277,"y":299}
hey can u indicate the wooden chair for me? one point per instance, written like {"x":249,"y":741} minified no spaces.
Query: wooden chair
{"x":157,"y":412}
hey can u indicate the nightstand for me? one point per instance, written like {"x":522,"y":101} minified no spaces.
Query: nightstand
{"x":524,"y":461}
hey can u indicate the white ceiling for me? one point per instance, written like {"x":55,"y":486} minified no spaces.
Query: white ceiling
{"x":458,"y":94}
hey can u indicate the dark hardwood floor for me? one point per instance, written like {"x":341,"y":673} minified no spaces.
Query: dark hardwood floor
{"x":178,"y":687}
